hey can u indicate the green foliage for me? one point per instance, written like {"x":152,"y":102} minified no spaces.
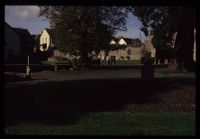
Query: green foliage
{"x":114,"y":123}
{"x":157,"y":19}
{"x":80,"y":30}
{"x":165,"y":21}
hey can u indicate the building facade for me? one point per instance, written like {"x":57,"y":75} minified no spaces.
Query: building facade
{"x":26,"y":41}
{"x":12,"y":42}
{"x":46,"y":40}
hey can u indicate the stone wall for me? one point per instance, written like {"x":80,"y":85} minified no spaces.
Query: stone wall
{"x":59,"y":54}
{"x":130,"y":53}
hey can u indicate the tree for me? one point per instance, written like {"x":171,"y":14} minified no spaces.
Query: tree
{"x":81,"y":30}
{"x":165,"y":21}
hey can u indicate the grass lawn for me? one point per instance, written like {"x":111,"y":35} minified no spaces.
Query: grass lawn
{"x":114,"y":123}
{"x":165,"y":70}
{"x":164,"y":106}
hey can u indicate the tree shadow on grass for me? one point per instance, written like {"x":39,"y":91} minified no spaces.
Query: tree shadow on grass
{"x":65,"y":102}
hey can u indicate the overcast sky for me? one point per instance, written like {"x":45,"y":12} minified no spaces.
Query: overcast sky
{"x":26,"y":17}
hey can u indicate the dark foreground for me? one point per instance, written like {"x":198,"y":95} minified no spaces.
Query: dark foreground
{"x":113,"y":123}
{"x":108,"y":106}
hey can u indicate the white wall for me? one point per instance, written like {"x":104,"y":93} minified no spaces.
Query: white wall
{"x":44,"y":38}
{"x":12,"y":41}
{"x":122,"y":42}
{"x":112,"y":42}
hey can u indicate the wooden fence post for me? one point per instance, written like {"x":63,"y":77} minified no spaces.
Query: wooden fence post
{"x":158,"y":61}
{"x":28,"y":69}
{"x":166,"y":61}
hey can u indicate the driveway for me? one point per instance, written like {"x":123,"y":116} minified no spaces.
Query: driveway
{"x":92,"y":74}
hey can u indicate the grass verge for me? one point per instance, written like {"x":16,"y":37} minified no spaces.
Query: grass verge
{"x":114,"y":123}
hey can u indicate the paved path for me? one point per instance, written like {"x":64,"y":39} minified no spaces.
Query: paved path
{"x":90,"y":74}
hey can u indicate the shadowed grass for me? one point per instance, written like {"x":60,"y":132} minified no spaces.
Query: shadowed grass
{"x":97,"y":106}
{"x":115,"y":123}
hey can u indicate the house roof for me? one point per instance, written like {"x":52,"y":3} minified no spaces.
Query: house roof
{"x":130,"y":41}
{"x":11,"y":28}
{"x":137,"y":41}
{"x":50,"y":31}
{"x":25,"y":35}
{"x":7,"y":24}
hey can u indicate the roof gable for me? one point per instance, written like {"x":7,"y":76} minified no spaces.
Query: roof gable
{"x":11,"y":28}
{"x":25,"y":35}
{"x":134,"y":42}
{"x":126,"y":41}
{"x":122,"y":41}
{"x":50,"y":32}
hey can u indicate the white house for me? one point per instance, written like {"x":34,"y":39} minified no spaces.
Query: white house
{"x":46,"y":39}
{"x":132,"y":50}
{"x":12,"y":41}
{"x":122,"y":41}
{"x":113,"y":41}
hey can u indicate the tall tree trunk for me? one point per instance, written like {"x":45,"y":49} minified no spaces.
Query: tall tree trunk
{"x":184,"y":43}
{"x":85,"y":60}
{"x":187,"y":37}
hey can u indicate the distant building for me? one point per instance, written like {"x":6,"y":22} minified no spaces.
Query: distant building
{"x":12,"y":41}
{"x":148,"y":46}
{"x":130,"y":51}
{"x":46,"y":40}
{"x":26,"y":41}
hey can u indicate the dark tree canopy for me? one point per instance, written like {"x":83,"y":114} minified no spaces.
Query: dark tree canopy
{"x":165,"y":21}
{"x":81,"y":30}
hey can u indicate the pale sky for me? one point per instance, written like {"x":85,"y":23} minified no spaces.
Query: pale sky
{"x":26,"y":17}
